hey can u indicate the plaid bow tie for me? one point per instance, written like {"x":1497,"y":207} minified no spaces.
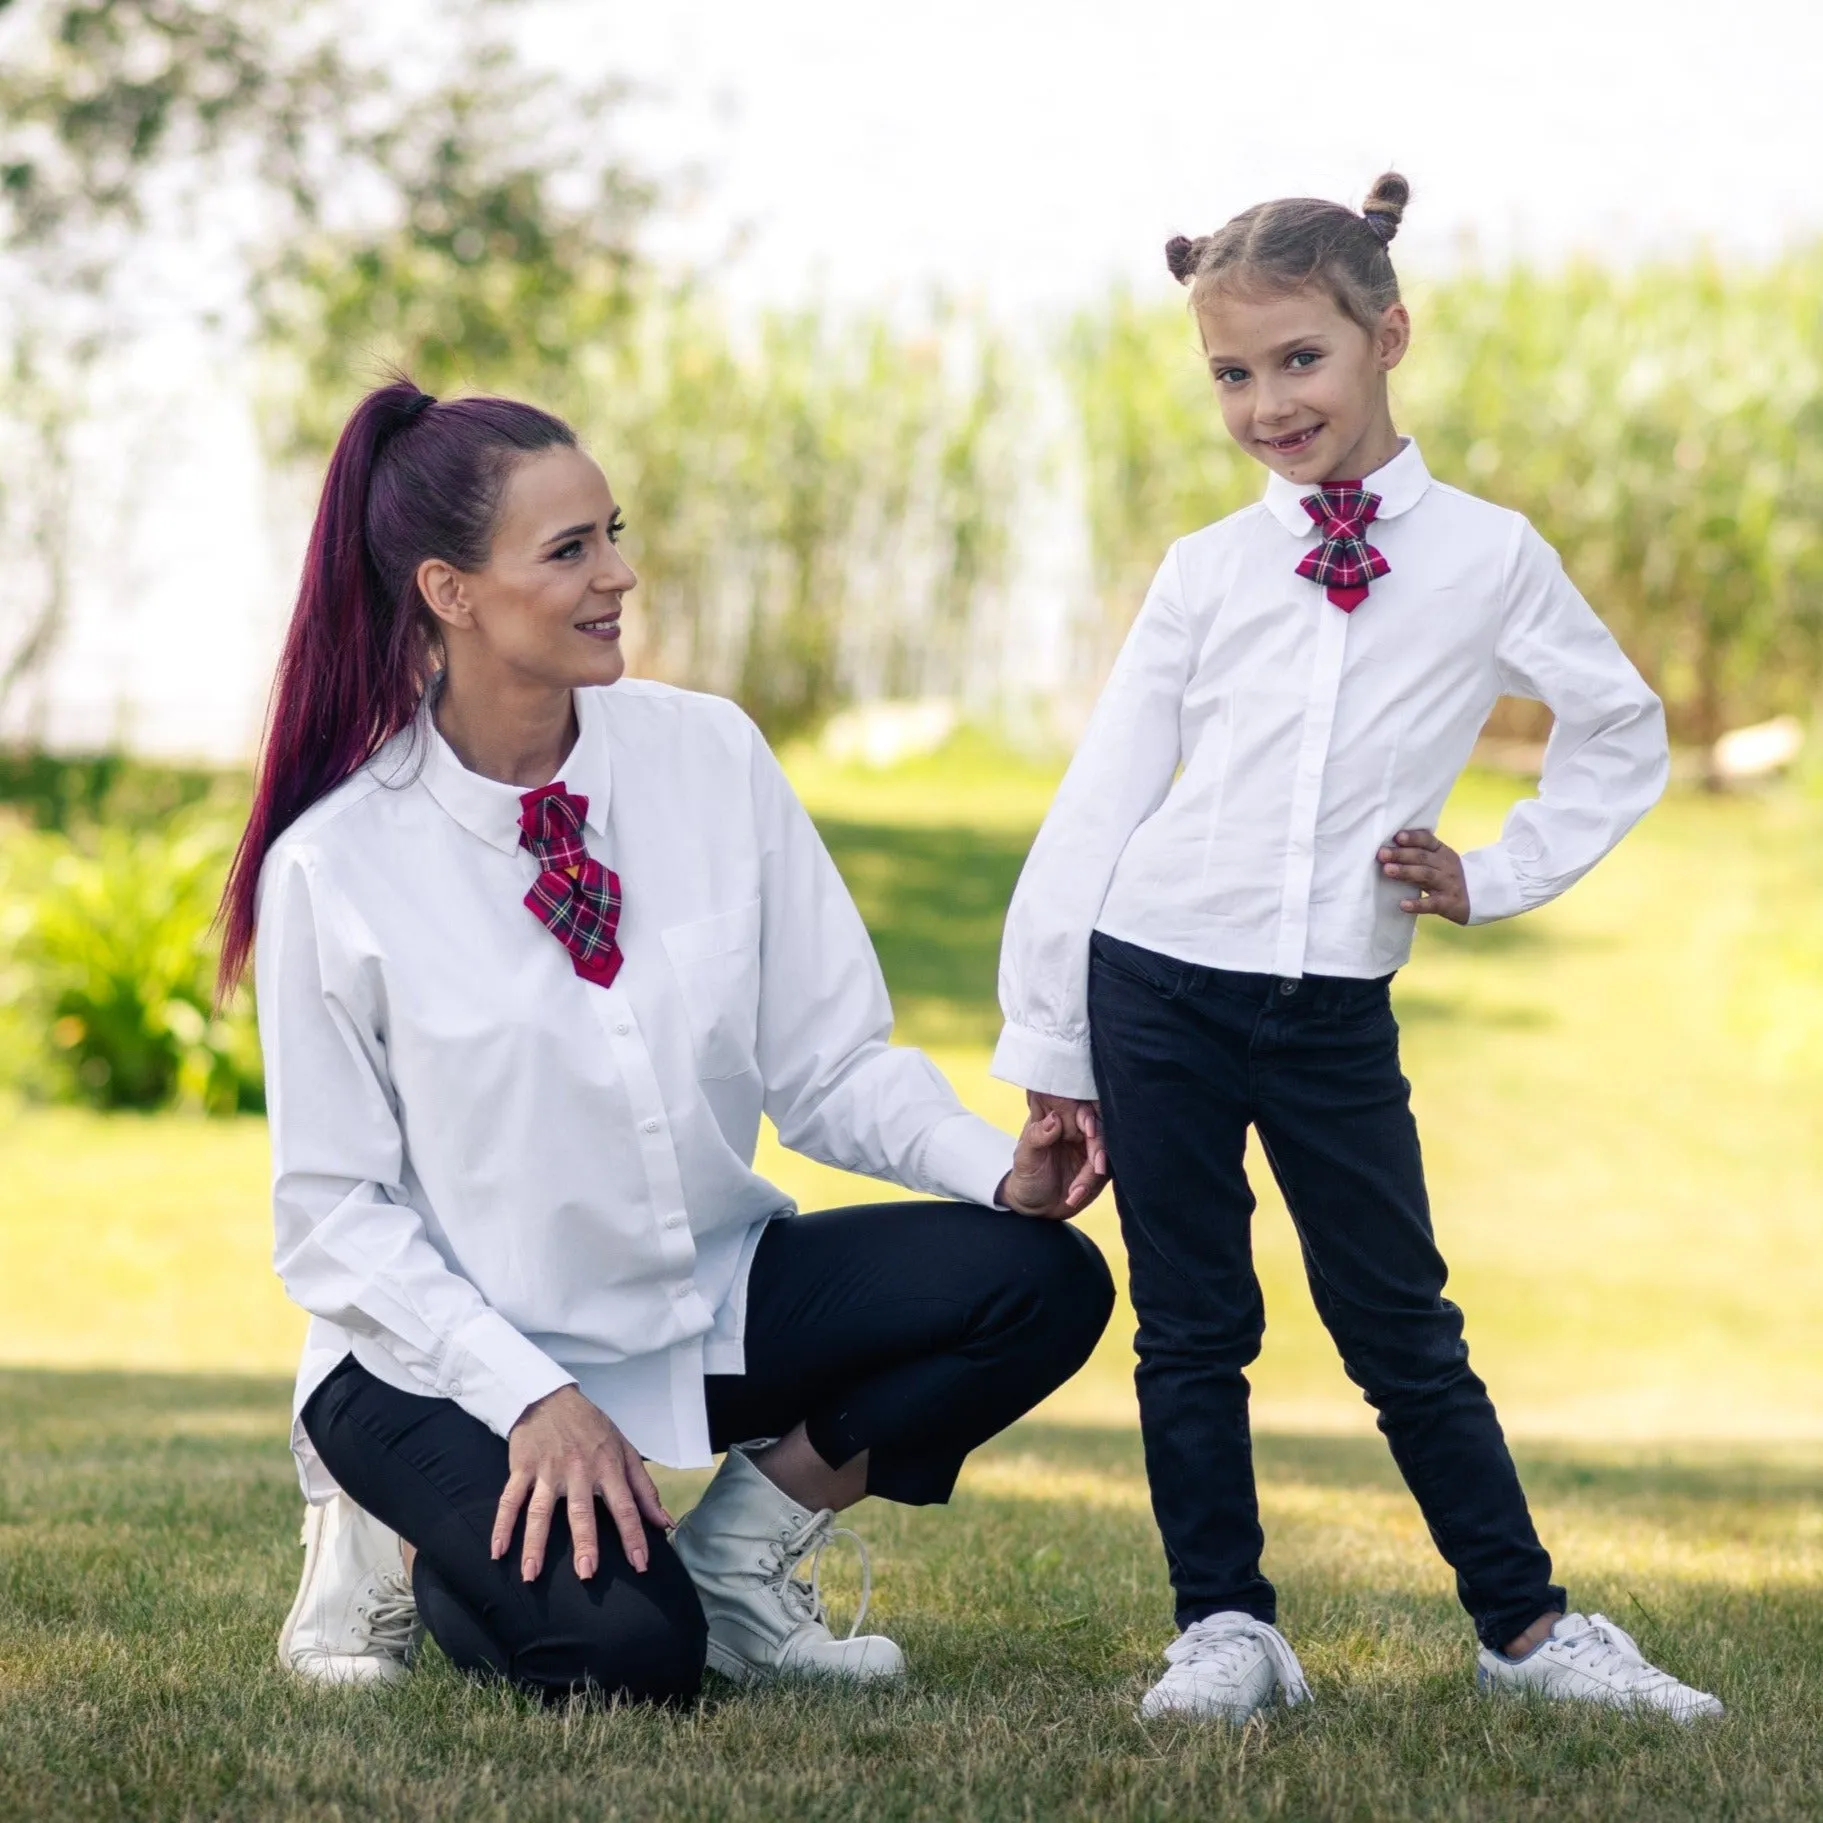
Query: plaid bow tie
{"x":1345,"y":563}
{"x":574,"y":894}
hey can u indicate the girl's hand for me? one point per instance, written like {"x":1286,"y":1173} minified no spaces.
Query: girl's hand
{"x":1060,"y":1166}
{"x":564,"y":1447}
{"x":1434,"y":868}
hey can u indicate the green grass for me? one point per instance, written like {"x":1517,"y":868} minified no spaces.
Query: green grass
{"x":1619,"y":1103}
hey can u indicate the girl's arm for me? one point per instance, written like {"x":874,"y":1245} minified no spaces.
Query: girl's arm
{"x":1607,"y":761}
{"x":348,"y":1246}
{"x":1119,"y":777}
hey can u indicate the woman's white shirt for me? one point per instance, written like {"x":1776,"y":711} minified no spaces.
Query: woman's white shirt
{"x":492,"y":1178}
{"x":1255,"y":746}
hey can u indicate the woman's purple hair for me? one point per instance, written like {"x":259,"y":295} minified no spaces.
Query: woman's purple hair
{"x":410,"y":479}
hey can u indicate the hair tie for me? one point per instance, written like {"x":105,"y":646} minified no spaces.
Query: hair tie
{"x":1383,"y":224}
{"x":422,"y":402}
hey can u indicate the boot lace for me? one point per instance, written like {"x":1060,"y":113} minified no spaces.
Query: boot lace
{"x":804,"y":1600}
{"x":1226,"y":1642}
{"x":1601,"y":1649}
{"x":390,"y":1613}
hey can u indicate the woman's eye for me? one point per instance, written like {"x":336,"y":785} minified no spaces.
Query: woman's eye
{"x":616,"y":526}
{"x":572,"y":549}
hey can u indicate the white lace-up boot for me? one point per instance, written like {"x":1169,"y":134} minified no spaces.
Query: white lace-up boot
{"x":1226,"y":1667}
{"x":1588,"y":1659}
{"x":743,"y":1544}
{"x":354,"y":1620}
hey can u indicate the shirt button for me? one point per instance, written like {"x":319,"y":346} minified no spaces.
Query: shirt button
{"x":675,"y":1219}
{"x":686,"y":1290}
{"x":622,"y":1029}
{"x":648,"y":1126}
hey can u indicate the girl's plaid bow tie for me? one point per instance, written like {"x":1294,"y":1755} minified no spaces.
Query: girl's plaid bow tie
{"x":574,"y":895}
{"x":1345,"y":563}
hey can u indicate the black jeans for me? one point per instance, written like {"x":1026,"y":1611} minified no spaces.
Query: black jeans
{"x":1186,"y":1058}
{"x":914,"y":1331}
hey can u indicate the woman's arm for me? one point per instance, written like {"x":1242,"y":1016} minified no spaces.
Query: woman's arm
{"x":348,"y":1246}
{"x":1120,"y":775}
{"x":1607,"y":761}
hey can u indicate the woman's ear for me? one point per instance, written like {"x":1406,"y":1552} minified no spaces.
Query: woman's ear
{"x":1393,"y":336}
{"x":441,"y":586}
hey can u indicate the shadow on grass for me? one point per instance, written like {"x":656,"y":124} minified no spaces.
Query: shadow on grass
{"x":935,"y":901}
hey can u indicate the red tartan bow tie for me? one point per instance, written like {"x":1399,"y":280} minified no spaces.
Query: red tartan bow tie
{"x":574,"y":895}
{"x":1345,"y":563}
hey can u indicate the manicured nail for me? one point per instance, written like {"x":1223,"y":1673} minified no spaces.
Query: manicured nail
{"x":639,"y":1562}
{"x":585,"y":1567}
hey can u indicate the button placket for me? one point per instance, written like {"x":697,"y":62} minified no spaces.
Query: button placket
{"x":1307,"y":792}
{"x":663,"y":1181}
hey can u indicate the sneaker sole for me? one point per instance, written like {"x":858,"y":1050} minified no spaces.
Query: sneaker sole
{"x":1499,"y":1690}
{"x":310,"y":1536}
{"x":743,"y":1671}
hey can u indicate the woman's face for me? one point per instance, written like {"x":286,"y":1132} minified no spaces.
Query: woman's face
{"x":1302,"y":386}
{"x":546,"y":605}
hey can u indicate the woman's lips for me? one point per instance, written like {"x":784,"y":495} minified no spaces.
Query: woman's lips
{"x":607,"y":627}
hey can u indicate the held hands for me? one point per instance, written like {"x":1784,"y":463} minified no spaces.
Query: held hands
{"x":1434,"y":868}
{"x":563,"y":1447}
{"x":1061,"y":1164}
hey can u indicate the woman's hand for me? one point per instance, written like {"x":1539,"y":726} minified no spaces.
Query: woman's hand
{"x":564,"y":1447}
{"x":1434,"y":868}
{"x":1060,"y":1165}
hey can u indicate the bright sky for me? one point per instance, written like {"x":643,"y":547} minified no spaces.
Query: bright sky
{"x":1024,"y":154}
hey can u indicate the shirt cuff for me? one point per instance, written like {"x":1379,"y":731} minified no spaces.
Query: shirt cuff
{"x":1493,"y":886}
{"x":1036,"y":1060}
{"x":967,"y":1158}
{"x":494,"y":1373}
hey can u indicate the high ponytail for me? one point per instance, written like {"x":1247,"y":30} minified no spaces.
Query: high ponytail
{"x":410,"y":479}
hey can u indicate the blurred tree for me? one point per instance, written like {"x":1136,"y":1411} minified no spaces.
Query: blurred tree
{"x":1662,"y":427}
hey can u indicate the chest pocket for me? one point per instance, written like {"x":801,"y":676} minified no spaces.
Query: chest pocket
{"x":717,"y":964}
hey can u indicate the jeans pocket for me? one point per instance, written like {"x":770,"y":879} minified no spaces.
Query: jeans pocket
{"x":1164,"y":975}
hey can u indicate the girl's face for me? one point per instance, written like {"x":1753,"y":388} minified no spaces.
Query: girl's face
{"x":1303,"y":386}
{"x":545,"y":608}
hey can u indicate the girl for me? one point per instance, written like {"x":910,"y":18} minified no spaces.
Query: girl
{"x":536,"y":948}
{"x":1205,"y":933}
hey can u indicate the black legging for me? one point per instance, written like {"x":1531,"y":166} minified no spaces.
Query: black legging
{"x":914,"y":1331}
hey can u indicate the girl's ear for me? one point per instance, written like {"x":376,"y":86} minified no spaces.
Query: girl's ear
{"x":1393,"y":336}
{"x":441,"y":586}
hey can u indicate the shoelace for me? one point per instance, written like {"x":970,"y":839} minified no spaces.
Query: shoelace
{"x":1608,"y":1651}
{"x":391,"y":1613}
{"x":1222,"y":1640}
{"x":805,"y":1599}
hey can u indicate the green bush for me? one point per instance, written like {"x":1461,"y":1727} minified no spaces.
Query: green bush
{"x":112,"y":966}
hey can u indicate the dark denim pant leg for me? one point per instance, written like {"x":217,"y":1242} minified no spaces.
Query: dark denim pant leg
{"x":1334,"y":1115}
{"x":1171,"y":1069}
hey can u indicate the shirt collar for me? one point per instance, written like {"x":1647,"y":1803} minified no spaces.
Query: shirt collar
{"x":490,"y":809}
{"x":1400,"y":484}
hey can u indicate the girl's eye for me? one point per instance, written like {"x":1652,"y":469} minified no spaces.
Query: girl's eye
{"x":1230,"y":376}
{"x":1305,"y":357}
{"x":616,"y":526}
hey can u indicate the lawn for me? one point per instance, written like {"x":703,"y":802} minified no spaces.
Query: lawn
{"x":1619,"y":1101}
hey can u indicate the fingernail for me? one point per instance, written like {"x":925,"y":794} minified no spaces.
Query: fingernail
{"x":586,"y":1568}
{"x":639,"y":1562}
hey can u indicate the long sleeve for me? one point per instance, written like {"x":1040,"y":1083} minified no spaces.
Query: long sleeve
{"x":347,"y":1245}
{"x":837,"y":1090}
{"x":1607,"y":760}
{"x":1119,"y":777}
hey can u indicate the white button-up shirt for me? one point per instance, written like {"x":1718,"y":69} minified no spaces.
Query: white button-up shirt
{"x":491,"y":1177}
{"x":1255,"y":746}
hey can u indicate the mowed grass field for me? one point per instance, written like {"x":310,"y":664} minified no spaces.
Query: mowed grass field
{"x":1619,"y":1098}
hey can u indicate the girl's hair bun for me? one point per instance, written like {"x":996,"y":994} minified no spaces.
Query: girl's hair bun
{"x":1182,"y":256}
{"x":1385,"y":205}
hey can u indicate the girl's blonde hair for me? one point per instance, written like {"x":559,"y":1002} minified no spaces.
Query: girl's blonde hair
{"x":1283,"y":246}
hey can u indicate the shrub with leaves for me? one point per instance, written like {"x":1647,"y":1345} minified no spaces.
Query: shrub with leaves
{"x":112,"y":961}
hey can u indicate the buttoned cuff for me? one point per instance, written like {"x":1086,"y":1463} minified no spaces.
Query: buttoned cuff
{"x":494,"y":1373}
{"x":967,"y":1158}
{"x":1036,"y":1060}
{"x":1493,"y":886}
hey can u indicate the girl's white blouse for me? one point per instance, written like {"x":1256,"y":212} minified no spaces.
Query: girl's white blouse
{"x":492,"y":1178}
{"x":1256,"y":745}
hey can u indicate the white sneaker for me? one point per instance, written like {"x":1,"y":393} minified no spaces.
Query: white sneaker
{"x":1588,"y":1659}
{"x":1226,"y":1667}
{"x":354,"y":1620}
{"x":743,"y":1544}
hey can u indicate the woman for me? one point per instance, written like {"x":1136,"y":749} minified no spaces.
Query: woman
{"x":513,"y":1116}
